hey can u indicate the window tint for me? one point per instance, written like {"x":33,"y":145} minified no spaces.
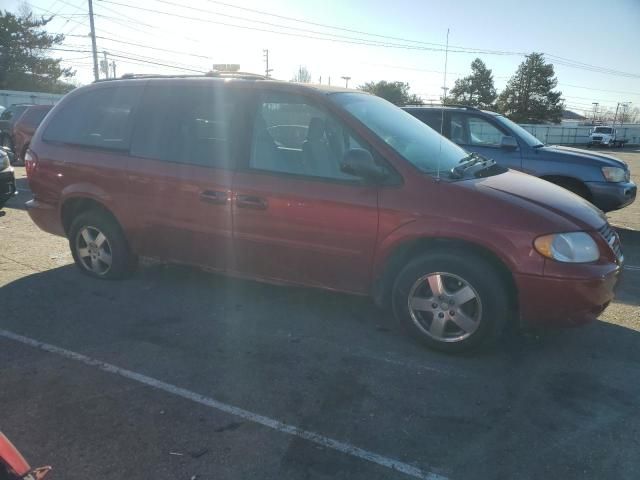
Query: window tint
{"x":431,"y":118}
{"x":33,"y":116}
{"x":290,"y":135}
{"x":98,"y":118}
{"x":191,"y":125}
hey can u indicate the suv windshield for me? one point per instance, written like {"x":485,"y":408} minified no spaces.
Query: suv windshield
{"x":528,"y":138}
{"x":606,"y":130}
{"x":415,"y":141}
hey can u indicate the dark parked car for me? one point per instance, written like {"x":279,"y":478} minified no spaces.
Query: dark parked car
{"x":25,"y":127}
{"x":7,"y":119}
{"x":603,"y":180}
{"x":7,"y":178}
{"x":370,"y":202}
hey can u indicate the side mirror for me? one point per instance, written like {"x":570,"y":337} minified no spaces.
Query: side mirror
{"x":508,"y":143}
{"x":359,"y":162}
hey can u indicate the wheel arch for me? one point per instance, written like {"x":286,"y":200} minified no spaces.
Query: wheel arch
{"x":75,"y":205}
{"x":567,"y":181}
{"x":402,"y":253}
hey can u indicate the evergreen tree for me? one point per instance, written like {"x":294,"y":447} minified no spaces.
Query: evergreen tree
{"x":24,"y":64}
{"x":476,"y":89}
{"x":529,"y":95}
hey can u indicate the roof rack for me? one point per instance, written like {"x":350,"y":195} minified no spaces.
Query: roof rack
{"x":452,"y":105}
{"x":212,"y":73}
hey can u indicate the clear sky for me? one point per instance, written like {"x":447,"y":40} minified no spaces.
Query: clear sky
{"x":598,"y":34}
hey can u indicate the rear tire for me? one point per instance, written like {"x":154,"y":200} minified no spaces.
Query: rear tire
{"x":469,"y":311}
{"x":99,"y":246}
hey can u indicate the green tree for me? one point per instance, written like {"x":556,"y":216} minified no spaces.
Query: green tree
{"x":395,"y":92}
{"x":24,"y":64}
{"x":476,"y":89}
{"x":302,"y":75}
{"x":529,"y":95}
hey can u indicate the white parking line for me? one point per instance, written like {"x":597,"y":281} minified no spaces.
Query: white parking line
{"x":632,"y":268}
{"x":277,"y":425}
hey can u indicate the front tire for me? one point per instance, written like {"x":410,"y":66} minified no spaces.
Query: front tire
{"x":99,"y":246}
{"x":450,"y":301}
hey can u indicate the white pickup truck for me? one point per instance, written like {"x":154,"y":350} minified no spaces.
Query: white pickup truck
{"x":606,"y":136}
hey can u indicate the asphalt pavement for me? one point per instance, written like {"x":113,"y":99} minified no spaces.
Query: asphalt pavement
{"x":177,"y":373}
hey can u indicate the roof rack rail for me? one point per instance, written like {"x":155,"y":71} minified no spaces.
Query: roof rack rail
{"x":453,"y":105}
{"x":212,"y":73}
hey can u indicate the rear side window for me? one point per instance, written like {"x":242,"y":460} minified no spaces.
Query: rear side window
{"x":191,"y":125}
{"x":33,"y":116}
{"x":431,"y":118}
{"x":99,"y":118}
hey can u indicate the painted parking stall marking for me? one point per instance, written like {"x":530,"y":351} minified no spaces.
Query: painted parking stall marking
{"x":268,"y":422}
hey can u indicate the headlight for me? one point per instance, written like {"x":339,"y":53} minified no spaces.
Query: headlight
{"x":574,"y":247}
{"x":614,"y":174}
{"x":4,"y":160}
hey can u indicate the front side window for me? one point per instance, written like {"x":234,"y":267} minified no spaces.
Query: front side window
{"x":409,"y":137}
{"x":191,"y":125}
{"x":473,"y":130}
{"x":98,"y":118}
{"x":292,"y":135}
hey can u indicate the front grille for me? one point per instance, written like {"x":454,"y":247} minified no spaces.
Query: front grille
{"x":613,"y":240}
{"x":596,"y":139}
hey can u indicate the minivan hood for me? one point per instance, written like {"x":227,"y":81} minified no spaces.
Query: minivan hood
{"x":577,"y":155}
{"x":530,"y":191}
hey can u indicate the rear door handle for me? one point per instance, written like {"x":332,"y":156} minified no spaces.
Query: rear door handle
{"x":251,"y":201}
{"x":213,"y":197}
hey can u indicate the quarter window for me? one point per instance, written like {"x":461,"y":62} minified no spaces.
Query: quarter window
{"x":98,"y":118}
{"x":291,"y":135}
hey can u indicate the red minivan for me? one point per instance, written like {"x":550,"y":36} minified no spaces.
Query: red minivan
{"x":25,"y":127}
{"x":321,"y":187}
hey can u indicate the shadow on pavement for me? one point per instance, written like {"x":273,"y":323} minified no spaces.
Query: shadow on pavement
{"x":335,"y":364}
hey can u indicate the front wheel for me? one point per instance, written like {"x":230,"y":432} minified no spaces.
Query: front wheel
{"x":451,"y":301}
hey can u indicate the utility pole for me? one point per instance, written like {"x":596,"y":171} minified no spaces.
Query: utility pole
{"x":595,"y":111}
{"x":320,"y":80}
{"x":346,"y":79}
{"x":267,"y":70}
{"x":616,"y":114}
{"x":623,"y":115}
{"x":94,"y":49}
{"x":113,"y":66}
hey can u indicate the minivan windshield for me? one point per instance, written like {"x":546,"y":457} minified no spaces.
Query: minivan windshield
{"x":418,"y":143}
{"x":527,"y":137}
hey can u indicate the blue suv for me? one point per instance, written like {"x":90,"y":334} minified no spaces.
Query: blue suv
{"x":603,"y":180}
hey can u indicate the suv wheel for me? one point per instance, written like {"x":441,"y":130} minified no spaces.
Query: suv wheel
{"x":99,"y":247}
{"x":451,"y":302}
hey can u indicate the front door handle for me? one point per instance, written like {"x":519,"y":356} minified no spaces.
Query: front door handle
{"x":213,"y":197}
{"x":251,"y":201}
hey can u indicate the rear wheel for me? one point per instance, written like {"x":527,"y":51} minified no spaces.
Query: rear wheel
{"x":451,"y":301}
{"x":99,"y":246}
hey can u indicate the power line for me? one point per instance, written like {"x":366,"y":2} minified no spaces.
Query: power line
{"x":334,"y":27}
{"x":328,"y":37}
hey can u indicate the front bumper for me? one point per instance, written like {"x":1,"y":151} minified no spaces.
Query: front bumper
{"x":609,"y":196}
{"x":546,"y":301}
{"x":7,"y":185}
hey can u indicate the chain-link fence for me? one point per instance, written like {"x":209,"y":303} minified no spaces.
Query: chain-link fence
{"x":560,"y":134}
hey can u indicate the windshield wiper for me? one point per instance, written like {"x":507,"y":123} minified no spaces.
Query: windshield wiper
{"x":469,"y":161}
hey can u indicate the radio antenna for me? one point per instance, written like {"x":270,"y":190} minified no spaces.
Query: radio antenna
{"x":444,"y":102}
